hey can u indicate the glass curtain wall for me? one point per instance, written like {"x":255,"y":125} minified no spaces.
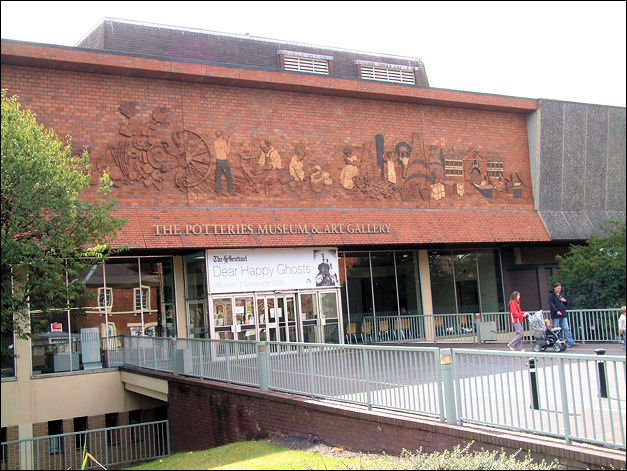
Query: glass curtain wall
{"x":122,"y":296}
{"x":380,"y":284}
{"x":356,"y":288}
{"x":466,"y":281}
{"x":196,"y":296}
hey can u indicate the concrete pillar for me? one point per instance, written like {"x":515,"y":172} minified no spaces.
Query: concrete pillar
{"x":425,"y":293}
{"x":179,"y":289}
{"x":26,"y":450}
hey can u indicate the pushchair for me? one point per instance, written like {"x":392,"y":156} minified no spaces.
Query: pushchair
{"x":545,"y":337}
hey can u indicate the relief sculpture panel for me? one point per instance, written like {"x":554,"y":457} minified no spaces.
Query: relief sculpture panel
{"x":158,"y":153}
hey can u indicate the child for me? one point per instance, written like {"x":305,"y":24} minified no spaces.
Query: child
{"x":621,"y":324}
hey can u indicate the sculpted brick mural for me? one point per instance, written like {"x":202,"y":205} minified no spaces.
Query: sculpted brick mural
{"x":157,"y":152}
{"x":174,"y":144}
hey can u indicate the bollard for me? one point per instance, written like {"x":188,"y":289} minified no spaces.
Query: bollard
{"x":263,"y":366}
{"x":446,"y":363}
{"x":535,"y":402}
{"x":179,"y":362}
{"x":601,"y":374}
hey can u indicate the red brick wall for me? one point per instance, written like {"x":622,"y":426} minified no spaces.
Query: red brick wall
{"x":86,"y":106}
{"x":204,"y":415}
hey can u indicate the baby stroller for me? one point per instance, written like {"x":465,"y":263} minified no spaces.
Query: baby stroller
{"x":545,"y":337}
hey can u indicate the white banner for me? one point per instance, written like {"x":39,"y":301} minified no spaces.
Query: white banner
{"x":241,"y":270}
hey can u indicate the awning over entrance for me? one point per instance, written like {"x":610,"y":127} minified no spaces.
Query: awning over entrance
{"x":163,"y":228}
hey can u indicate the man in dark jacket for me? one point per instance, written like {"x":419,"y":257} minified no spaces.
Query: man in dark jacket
{"x":557,"y":304}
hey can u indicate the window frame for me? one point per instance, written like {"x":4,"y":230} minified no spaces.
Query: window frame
{"x":141,"y":307}
{"x":109,"y":298}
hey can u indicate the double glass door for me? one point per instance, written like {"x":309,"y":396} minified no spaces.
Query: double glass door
{"x":319,"y":317}
{"x":283,"y":317}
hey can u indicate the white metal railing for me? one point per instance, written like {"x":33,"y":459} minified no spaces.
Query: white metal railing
{"x":576,"y":397}
{"x":454,"y":385}
{"x":399,"y":378}
{"x":111,"y":447}
{"x":586,"y":325}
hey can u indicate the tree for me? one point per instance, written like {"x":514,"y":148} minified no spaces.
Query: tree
{"x":594,"y":273}
{"x":46,"y":226}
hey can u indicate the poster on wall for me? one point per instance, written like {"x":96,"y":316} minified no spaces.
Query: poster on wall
{"x":238,"y":270}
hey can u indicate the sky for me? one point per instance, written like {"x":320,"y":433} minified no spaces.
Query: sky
{"x":570,"y":51}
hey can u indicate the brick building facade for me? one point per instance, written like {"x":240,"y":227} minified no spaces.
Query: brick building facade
{"x":296,"y":158}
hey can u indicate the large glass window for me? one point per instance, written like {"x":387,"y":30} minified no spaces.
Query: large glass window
{"x":196,"y":296}
{"x":466,"y":286}
{"x":442,"y":282}
{"x":357,"y":289}
{"x":384,"y":283}
{"x":124,"y":295}
{"x":408,"y":280}
{"x":489,"y":269}
{"x":466,"y":281}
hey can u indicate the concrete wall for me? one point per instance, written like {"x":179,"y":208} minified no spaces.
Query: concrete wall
{"x":577,"y":159}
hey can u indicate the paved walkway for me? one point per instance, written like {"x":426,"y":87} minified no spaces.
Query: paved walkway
{"x":611,"y":348}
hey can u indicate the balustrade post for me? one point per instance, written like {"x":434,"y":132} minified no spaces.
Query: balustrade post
{"x":263,"y":365}
{"x":446,"y":365}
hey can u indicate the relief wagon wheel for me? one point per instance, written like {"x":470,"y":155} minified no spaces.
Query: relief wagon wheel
{"x":194,"y":155}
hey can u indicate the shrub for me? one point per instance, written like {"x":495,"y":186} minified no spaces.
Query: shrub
{"x":459,"y":458}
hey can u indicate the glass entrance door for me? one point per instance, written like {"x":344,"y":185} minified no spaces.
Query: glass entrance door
{"x":320,"y":317}
{"x":276,"y":316}
{"x":234,"y":318}
{"x":196,"y":295}
{"x":287,"y":319}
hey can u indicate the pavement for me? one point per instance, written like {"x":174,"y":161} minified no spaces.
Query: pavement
{"x":611,"y":348}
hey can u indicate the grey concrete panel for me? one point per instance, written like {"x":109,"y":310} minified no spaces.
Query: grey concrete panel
{"x":557,"y":225}
{"x":596,"y":158}
{"x":574,"y":169}
{"x":581,"y":227}
{"x":616,"y":160}
{"x":551,"y":153}
{"x":597,"y":219}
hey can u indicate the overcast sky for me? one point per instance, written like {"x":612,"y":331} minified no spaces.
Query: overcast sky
{"x":572,"y":51}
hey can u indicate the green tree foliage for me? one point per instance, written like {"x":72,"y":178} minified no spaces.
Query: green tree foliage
{"x":594,"y":274}
{"x":46,"y":226}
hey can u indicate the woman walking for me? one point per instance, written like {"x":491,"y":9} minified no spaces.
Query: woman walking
{"x":516,"y":317}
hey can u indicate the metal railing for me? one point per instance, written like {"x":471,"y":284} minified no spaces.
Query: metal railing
{"x":453,"y":385}
{"x":112,"y":446}
{"x":586,"y":325}
{"x":399,"y":378}
{"x":576,"y":397}
{"x":60,"y":355}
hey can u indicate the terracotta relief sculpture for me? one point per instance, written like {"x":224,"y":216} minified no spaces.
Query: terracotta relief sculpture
{"x":154,"y":152}
{"x":222,"y":147}
{"x":297,"y":166}
{"x":149,"y":151}
{"x":350,"y":170}
{"x":269,"y":156}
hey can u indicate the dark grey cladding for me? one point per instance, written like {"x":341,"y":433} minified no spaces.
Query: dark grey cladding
{"x":580,"y":169}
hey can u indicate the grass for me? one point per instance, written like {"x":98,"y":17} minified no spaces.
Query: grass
{"x":250,"y":455}
{"x":266,"y":455}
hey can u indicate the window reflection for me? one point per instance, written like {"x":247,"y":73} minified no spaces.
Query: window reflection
{"x":125,"y":295}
